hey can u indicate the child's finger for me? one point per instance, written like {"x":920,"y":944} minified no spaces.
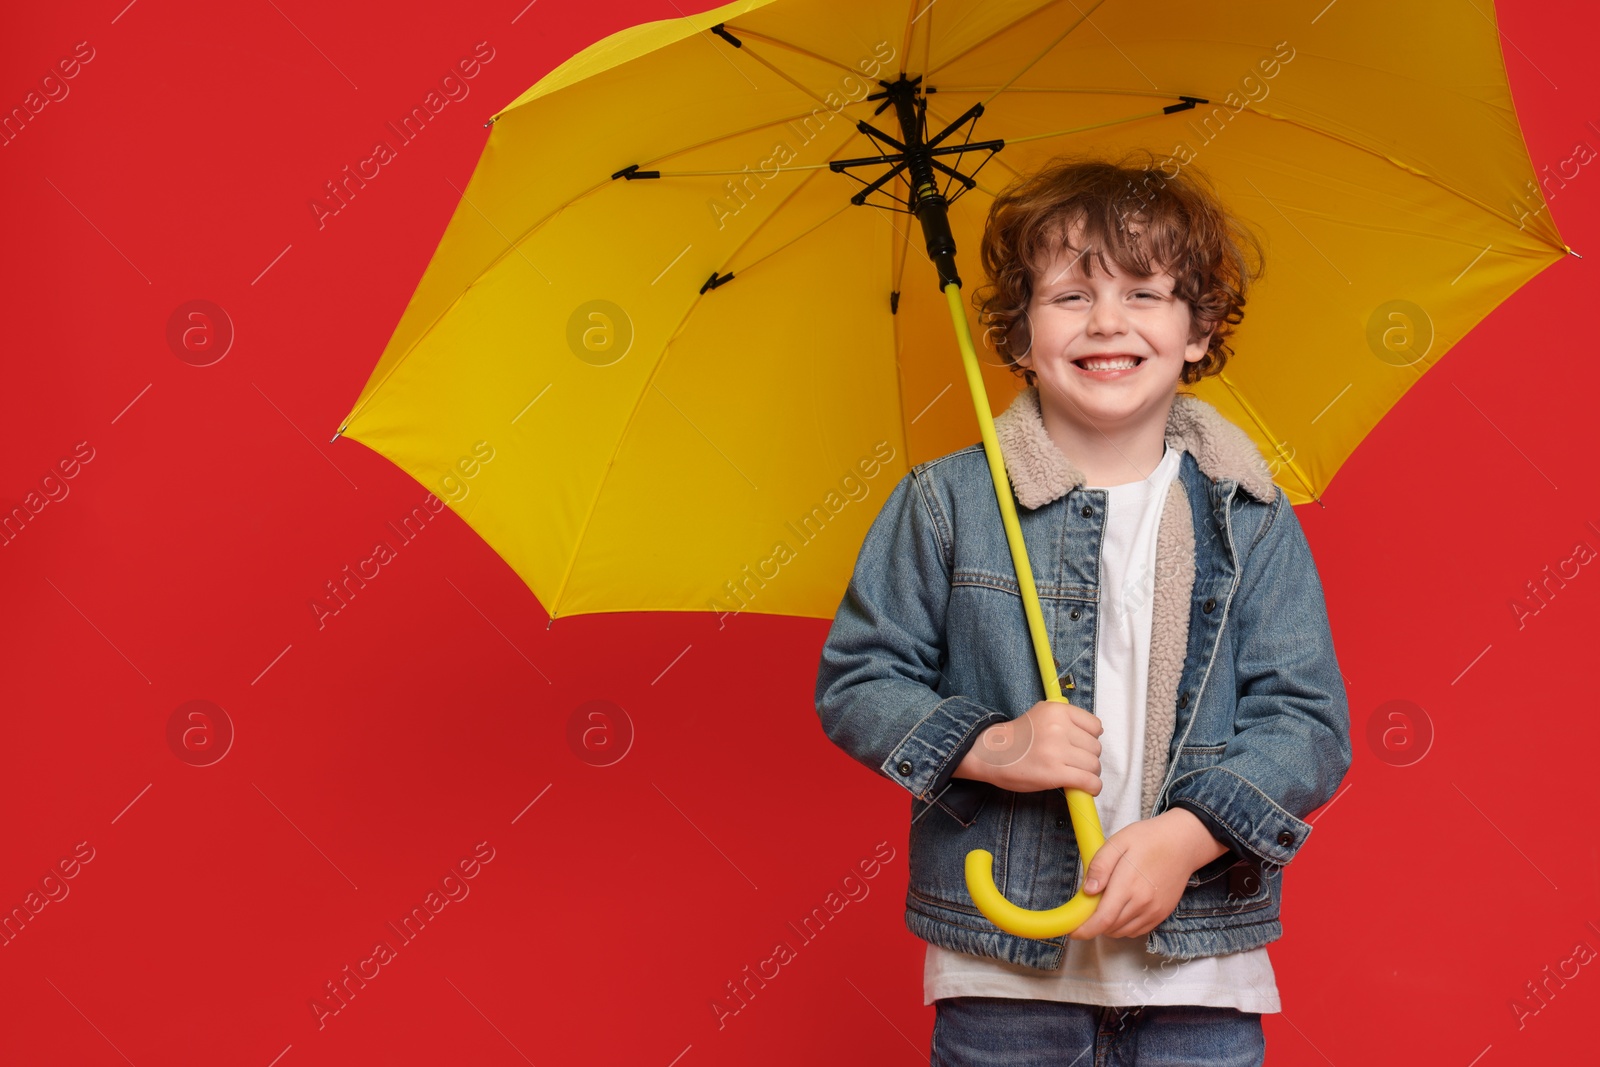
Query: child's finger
{"x":1108,"y":916}
{"x":1134,"y":924}
{"x":1098,"y":876}
{"x":1108,"y":912}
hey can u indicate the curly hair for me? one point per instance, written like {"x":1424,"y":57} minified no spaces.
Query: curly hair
{"x":1183,"y":228}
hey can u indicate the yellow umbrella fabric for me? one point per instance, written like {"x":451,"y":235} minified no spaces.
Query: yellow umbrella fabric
{"x":695,"y":389}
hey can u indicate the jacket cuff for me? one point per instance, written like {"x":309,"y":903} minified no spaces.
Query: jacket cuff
{"x":1218,"y":796}
{"x":1218,"y":831}
{"x":925,"y":759}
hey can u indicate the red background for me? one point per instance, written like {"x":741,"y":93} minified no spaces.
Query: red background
{"x":373,"y":754}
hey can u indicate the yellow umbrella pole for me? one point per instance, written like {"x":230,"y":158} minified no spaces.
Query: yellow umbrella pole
{"x":932,"y":210}
{"x":1085,"y":820}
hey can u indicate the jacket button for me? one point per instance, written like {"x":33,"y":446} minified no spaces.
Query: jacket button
{"x":1061,"y":821}
{"x":1073,"y":615}
{"x":1183,"y":701}
{"x":1087,"y":511}
{"x":905,"y":769}
{"x":1210,"y":603}
{"x":1065,"y":681}
{"x":1286,"y":838}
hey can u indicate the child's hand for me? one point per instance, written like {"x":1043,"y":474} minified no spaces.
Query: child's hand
{"x":1141,"y":871}
{"x":1052,"y":745}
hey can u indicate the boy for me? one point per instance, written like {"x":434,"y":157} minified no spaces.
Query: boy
{"x":1207,"y":713}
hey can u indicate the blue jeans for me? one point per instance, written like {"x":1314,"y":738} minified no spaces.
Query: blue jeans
{"x":1013,"y":1032}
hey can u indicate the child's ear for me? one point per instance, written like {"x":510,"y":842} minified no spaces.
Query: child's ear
{"x":1195,"y":351}
{"x":1025,"y":359}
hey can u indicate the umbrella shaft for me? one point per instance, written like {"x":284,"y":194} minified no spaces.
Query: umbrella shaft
{"x":930,"y":206}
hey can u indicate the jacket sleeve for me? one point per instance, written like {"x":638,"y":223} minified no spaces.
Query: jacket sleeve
{"x":878,"y":685}
{"x":1236,"y":850}
{"x":1291,"y":742}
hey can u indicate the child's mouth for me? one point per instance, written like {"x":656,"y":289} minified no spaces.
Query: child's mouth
{"x":1107,"y":368}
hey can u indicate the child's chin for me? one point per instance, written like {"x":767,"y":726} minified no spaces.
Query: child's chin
{"x":1098,"y":404}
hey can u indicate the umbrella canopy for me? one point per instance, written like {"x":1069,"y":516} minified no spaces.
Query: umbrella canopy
{"x":697,"y":366}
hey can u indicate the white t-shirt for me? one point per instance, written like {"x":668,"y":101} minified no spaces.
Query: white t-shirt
{"x":1117,"y":971}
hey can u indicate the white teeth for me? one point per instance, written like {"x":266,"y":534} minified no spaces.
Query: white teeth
{"x":1125,"y":363}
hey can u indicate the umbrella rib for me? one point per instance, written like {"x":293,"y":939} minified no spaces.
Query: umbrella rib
{"x":1083,"y":17}
{"x":908,"y":32}
{"x":1083,"y":129}
{"x":1007,"y":28}
{"x":649,"y":384}
{"x":1447,"y":187}
{"x":899,"y":370}
{"x":649,"y":164}
{"x":742,"y":170}
{"x":905,"y":253}
{"x":760,"y":225}
{"x":1008,"y":87}
{"x":769,"y":65}
{"x":907,"y":39}
{"x":741,"y":32}
{"x":749,"y":266}
{"x":955,"y":164}
{"x":514,"y":245}
{"x":998,"y":157}
{"x":927,"y":33}
{"x":751,"y":129}
{"x":1474,"y":201}
{"x":976,"y":89}
{"x":1262,"y":426}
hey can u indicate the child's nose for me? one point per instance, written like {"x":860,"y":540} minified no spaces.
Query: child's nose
{"x":1106,"y":317}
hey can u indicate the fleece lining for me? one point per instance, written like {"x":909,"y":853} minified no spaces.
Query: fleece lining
{"x":1040,"y":473}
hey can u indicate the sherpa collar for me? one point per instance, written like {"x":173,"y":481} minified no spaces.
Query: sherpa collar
{"x":1040,"y":472}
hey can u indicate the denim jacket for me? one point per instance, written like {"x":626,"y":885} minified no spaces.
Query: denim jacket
{"x":1247,"y":723}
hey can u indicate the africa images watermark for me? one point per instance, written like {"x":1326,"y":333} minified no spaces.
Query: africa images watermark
{"x":811,"y":926}
{"x":782,"y":153}
{"x":340,"y":591}
{"x":453,"y":888}
{"x":1544,"y":589}
{"x":1552,"y":980}
{"x":1536,"y":197}
{"x":53,"y":89}
{"x":53,"y":889}
{"x":14,"y":518}
{"x":811,"y":527}
{"x":1254,"y":89}
{"x":453,"y":87}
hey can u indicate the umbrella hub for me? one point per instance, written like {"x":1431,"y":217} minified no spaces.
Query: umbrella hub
{"x":914,"y":158}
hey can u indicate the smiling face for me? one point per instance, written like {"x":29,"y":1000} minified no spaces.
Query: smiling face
{"x":1132,"y":328}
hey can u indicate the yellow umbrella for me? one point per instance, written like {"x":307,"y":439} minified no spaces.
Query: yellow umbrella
{"x":676,"y":343}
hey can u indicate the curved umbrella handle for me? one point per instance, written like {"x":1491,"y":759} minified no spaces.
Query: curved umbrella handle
{"x":1042,"y":925}
{"x":1085,"y":820}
